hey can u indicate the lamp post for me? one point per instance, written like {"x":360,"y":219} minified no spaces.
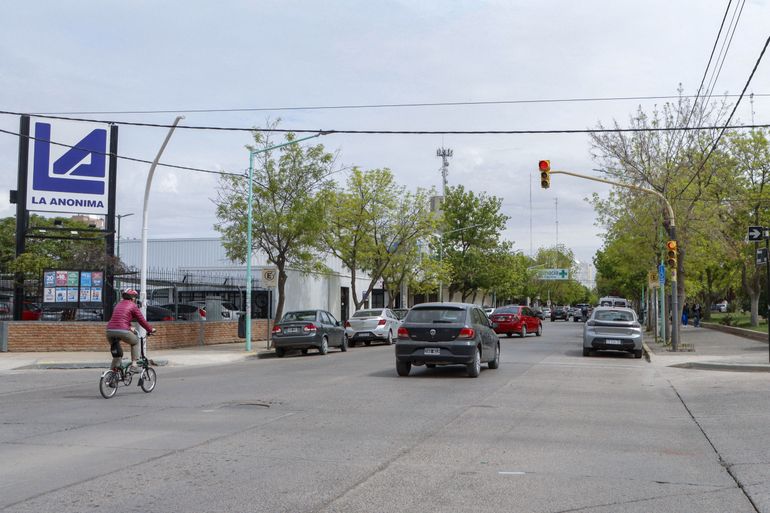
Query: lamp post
{"x":248,"y":228}
{"x":119,"y":217}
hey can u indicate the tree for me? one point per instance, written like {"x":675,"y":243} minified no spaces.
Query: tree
{"x":674,"y":163}
{"x":470,"y":235}
{"x":375,"y":224}
{"x":287,"y":207}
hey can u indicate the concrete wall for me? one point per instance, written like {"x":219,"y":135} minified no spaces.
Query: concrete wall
{"x":90,"y":336}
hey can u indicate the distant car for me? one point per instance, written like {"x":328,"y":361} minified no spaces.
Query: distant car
{"x":308,"y":329}
{"x":31,"y":312}
{"x":581,"y":312}
{"x":5,"y":310}
{"x":158,"y":314}
{"x":374,"y":324}
{"x":517,"y":319}
{"x":615,"y":329}
{"x":447,"y":334}
{"x":187,"y":311}
{"x":560,"y":313}
{"x":230,"y":311}
{"x":546,"y":312}
{"x":89,"y":314}
{"x":539,"y":313}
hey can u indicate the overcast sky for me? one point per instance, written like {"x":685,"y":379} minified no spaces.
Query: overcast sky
{"x":78,"y":56}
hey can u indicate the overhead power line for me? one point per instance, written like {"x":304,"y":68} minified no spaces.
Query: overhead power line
{"x":132,"y":159}
{"x":396,"y":132}
{"x":377,"y":105}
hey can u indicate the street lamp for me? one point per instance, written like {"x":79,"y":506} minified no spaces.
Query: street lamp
{"x":248,"y":229}
{"x":121,"y":216}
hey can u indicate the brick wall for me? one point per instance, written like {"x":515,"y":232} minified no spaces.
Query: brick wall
{"x":90,"y":336}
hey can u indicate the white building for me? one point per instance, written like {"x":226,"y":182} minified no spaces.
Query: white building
{"x":331,"y":291}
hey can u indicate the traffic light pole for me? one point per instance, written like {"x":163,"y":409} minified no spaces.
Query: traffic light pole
{"x":675,"y":313}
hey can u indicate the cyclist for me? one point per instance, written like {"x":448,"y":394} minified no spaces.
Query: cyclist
{"x":119,"y":328}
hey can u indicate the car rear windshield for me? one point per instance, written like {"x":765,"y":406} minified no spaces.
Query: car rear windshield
{"x":436,"y":315}
{"x":367,"y":313}
{"x":614,"y":315}
{"x":229,"y":306}
{"x":507,"y":310}
{"x":299,"y":316}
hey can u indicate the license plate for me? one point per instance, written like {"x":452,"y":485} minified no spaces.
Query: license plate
{"x":612,"y":341}
{"x":292,"y":330}
{"x":432,"y":350}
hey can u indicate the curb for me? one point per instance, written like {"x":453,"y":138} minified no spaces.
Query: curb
{"x":80,"y":365}
{"x":733,"y":367}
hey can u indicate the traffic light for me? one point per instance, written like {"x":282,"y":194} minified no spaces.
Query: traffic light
{"x":545,"y":173}
{"x":671,"y":254}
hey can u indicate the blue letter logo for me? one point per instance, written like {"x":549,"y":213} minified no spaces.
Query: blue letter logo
{"x":69,"y":172}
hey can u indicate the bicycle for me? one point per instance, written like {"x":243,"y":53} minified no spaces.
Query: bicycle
{"x":111,"y":379}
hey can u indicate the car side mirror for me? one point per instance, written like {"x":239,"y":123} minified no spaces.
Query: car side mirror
{"x":338,"y":323}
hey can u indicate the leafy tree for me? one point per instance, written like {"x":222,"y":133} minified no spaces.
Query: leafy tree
{"x":287,"y":207}
{"x":374,"y":226}
{"x":671,"y":162}
{"x":470,"y":236}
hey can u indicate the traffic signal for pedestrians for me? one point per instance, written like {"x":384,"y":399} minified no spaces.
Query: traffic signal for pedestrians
{"x":545,"y":173}
{"x":671,"y":254}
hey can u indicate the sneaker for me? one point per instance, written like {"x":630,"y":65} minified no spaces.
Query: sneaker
{"x":134,"y":368}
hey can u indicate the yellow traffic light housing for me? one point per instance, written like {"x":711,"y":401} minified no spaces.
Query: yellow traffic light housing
{"x":545,"y":173}
{"x":672,"y":254}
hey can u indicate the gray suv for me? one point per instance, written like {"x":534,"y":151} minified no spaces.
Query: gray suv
{"x":447,"y":334}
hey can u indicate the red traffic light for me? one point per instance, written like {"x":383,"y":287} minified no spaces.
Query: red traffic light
{"x":544,"y":165}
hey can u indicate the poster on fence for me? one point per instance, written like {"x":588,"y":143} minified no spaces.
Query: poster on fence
{"x":65,"y":288}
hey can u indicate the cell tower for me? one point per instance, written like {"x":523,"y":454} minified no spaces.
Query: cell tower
{"x":444,"y":153}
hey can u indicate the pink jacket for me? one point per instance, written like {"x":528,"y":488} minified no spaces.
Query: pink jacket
{"x":124,"y":313}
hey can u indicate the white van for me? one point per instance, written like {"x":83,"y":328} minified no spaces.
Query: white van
{"x":614,"y":301}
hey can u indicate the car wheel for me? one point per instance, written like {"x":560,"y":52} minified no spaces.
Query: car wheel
{"x":324,"y":347}
{"x":280,"y":352}
{"x":586,"y":351}
{"x":403,"y":368}
{"x":509,"y":335}
{"x":303,"y":351}
{"x":390,"y":338}
{"x":368,"y":343}
{"x":523,"y":331}
{"x":474,"y":368}
{"x":539,"y":331}
{"x":351,"y":343}
{"x":344,"y":346}
{"x":496,"y":362}
{"x":637,"y":353}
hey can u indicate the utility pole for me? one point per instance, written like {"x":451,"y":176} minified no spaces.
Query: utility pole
{"x":445,"y":154}
{"x":556,"y":212}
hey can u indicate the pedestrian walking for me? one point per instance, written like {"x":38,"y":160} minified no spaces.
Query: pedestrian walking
{"x":696,"y":313}
{"x":685,"y":314}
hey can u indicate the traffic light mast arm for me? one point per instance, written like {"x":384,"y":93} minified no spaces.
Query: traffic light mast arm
{"x":627,"y":186}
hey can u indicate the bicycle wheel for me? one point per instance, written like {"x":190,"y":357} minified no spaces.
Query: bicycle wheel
{"x":108,"y":384}
{"x":147,"y":379}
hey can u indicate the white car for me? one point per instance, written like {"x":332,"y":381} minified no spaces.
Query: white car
{"x":378,"y":324}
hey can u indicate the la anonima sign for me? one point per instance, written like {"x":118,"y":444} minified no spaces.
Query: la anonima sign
{"x":67,"y":170}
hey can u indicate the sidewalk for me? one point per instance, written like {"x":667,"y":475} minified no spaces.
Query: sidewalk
{"x":205,"y":355}
{"x":713,"y":350}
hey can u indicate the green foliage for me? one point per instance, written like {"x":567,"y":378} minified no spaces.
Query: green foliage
{"x":287,"y":212}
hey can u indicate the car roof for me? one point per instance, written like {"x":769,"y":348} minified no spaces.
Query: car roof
{"x":446,"y":304}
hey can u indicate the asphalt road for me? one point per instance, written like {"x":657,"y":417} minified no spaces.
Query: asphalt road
{"x":549,"y":431}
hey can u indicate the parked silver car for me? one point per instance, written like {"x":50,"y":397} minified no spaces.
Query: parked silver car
{"x":379,"y":324}
{"x":615,"y":329}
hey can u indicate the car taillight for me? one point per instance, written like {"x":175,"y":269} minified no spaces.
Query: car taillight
{"x":403,"y":333}
{"x":168,"y":318}
{"x":309,"y":327}
{"x":347,"y":324}
{"x":202,"y":313}
{"x":276,"y":329}
{"x":466,"y":333}
{"x":381,"y":322}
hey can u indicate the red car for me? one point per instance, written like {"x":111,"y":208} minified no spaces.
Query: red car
{"x":516,"y":319}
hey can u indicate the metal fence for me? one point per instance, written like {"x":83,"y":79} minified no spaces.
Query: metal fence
{"x":163,"y":287}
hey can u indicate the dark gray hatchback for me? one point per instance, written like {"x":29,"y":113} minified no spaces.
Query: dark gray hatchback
{"x":447,"y":334}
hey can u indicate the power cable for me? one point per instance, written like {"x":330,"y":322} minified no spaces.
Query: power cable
{"x":725,"y":48}
{"x":123,"y":157}
{"x":375,"y":105}
{"x":397,"y":132}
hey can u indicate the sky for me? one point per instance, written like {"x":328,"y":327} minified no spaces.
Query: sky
{"x":179,"y":57}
